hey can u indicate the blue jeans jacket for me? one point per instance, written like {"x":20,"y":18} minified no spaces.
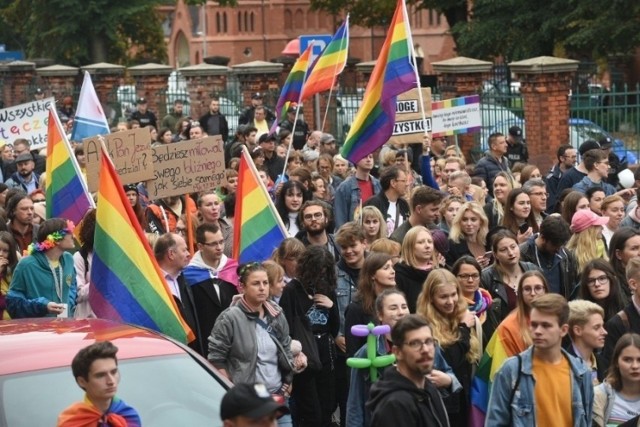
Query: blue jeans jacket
{"x":521,"y":411}
{"x":360,"y":384}
{"x":347,"y":200}
{"x":345,"y":291}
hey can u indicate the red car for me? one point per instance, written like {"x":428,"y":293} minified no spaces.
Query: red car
{"x":165,"y":381}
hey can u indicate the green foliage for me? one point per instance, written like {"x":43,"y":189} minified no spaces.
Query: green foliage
{"x":80,"y":32}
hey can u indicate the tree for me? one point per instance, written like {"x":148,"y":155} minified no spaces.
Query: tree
{"x":80,"y":32}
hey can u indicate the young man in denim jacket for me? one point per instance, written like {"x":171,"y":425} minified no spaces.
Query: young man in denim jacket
{"x":543,"y":385}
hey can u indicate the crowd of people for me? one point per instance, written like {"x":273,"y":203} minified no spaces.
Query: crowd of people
{"x":467,"y":264}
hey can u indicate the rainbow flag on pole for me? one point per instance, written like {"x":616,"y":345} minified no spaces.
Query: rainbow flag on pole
{"x":126,"y":282}
{"x":258,"y":229}
{"x":90,"y":119}
{"x":292,"y":87}
{"x":67,"y":193}
{"x":329,"y":64}
{"x":393,"y":74}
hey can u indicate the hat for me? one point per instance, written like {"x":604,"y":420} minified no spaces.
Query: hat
{"x":292,"y":109}
{"x":516,"y":132}
{"x":605,"y":142}
{"x":327,"y":138}
{"x":141,"y":101}
{"x":24,"y":157}
{"x":130,"y":187}
{"x":266,"y":137}
{"x":585,"y":218}
{"x":39,"y":91}
{"x":256,"y":95}
{"x":589,"y":144}
{"x":251,"y":401}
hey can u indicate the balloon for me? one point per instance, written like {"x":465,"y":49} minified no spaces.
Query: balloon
{"x":626,"y":178}
{"x":372,"y":362}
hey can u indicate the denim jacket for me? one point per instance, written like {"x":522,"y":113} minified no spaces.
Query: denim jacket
{"x":521,"y":410}
{"x":345,"y":290}
{"x":347,"y":199}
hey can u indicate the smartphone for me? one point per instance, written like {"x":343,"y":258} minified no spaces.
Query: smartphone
{"x":65,"y":311}
{"x":523,"y":228}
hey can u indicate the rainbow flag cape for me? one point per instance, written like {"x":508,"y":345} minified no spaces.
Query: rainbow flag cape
{"x":90,"y":119}
{"x":505,"y":342}
{"x":292,"y":87}
{"x":258,"y":229}
{"x":126,"y":283}
{"x":67,"y":193}
{"x":329,"y":64}
{"x":392,"y":75}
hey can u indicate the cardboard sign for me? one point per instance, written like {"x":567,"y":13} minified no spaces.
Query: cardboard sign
{"x":130,"y":152}
{"x":409,"y":127}
{"x":187,"y":167}
{"x":457,"y":116}
{"x":28,"y":120}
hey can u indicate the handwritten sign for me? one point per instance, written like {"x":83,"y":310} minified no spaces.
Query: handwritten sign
{"x":456,"y":116}
{"x":130,"y":151}
{"x":28,"y":121}
{"x":187,"y":167}
{"x":410,"y":127}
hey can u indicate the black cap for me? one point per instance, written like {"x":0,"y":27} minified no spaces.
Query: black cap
{"x":141,"y":101}
{"x":605,"y":142}
{"x":130,"y":187}
{"x":24,"y":157}
{"x":251,"y":401}
{"x":266,"y":137}
{"x":39,"y":91}
{"x":516,"y":132}
{"x":256,"y":95}
{"x":292,"y":109}
{"x":589,"y":144}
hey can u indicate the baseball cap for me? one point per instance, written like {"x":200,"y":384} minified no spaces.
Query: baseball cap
{"x":327,"y":138}
{"x":256,"y":95}
{"x":265,"y":137}
{"x":130,"y":187}
{"x":589,"y":144}
{"x":516,"y":132}
{"x":585,"y":218}
{"x":39,"y":91}
{"x":141,"y":101}
{"x":24,"y":157}
{"x":605,"y":142}
{"x":292,"y":109}
{"x":249,"y":400}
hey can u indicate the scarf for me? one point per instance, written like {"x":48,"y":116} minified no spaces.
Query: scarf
{"x":85,"y":414}
{"x":480,"y":304}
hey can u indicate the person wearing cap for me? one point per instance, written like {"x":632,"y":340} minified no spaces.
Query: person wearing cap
{"x":273,"y":163}
{"x":567,"y":156}
{"x":250,"y":405}
{"x":23,"y":146}
{"x":516,"y":147}
{"x":575,"y":175}
{"x":214,"y":122}
{"x":597,"y":164}
{"x":25,"y":177}
{"x":328,"y":144}
{"x":142,"y":115}
{"x":38,"y":94}
{"x":300,"y":129}
{"x":247,"y":116}
{"x":494,"y":161}
{"x":615,"y":165}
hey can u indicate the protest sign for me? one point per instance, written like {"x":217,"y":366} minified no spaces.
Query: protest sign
{"x":187,"y":167}
{"x":409,"y":127}
{"x":29,"y":121}
{"x":130,"y":152}
{"x":456,"y":116}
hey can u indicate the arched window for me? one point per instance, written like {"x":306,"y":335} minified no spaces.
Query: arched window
{"x":251,"y":22}
{"x":298,"y":21}
{"x":218,"y":26}
{"x":246,"y":21}
{"x":224,"y":22}
{"x":288,"y":19}
{"x":239,"y":21}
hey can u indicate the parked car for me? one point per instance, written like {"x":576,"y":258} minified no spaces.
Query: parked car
{"x":165,"y":381}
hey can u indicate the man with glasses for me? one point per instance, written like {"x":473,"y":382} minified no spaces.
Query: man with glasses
{"x":211,"y":294}
{"x":404,"y":396}
{"x":314,"y":217}
{"x":567,"y":157}
{"x":537,"y":191}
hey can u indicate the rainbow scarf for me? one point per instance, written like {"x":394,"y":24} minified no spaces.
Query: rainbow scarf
{"x":85,"y":414}
{"x":480,"y":304}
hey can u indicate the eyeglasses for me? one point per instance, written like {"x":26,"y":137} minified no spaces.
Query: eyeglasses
{"x":213,"y":244}
{"x":417,"y":344}
{"x":474,"y":276}
{"x":540,"y":194}
{"x":309,"y":217}
{"x":533,"y":290}
{"x":600,"y":280}
{"x":181,"y":230}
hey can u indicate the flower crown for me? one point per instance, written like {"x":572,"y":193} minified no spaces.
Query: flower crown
{"x":51,"y":239}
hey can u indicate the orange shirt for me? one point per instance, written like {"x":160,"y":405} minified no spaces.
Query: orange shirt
{"x":552,"y":393}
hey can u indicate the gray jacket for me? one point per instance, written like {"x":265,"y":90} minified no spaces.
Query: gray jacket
{"x":233,"y":343}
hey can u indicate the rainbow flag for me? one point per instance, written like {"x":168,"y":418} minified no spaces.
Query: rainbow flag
{"x":258,"y":229}
{"x":90,"y":119}
{"x":126,"y":282}
{"x":292,"y":88}
{"x":329,"y":64}
{"x":505,"y":342}
{"x":392,"y":75}
{"x":67,"y":193}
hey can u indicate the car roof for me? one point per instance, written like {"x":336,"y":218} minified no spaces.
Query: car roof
{"x":35,"y":344}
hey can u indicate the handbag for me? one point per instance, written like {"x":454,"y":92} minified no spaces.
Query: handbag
{"x":301,"y":331}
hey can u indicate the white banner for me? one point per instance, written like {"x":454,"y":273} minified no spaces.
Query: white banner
{"x":28,"y":121}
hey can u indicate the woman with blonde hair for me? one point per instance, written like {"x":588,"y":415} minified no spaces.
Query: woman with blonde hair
{"x":502,"y":186}
{"x":417,"y":258}
{"x":613,"y":208}
{"x":441,"y":302}
{"x":468,"y":235}
{"x":448,"y":210}
{"x":373,"y":224}
{"x":587,"y":242}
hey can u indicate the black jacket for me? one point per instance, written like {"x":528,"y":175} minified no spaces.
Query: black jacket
{"x":186,"y":305}
{"x":517,"y":153}
{"x":396,"y":401}
{"x":410,"y":280}
{"x":616,"y":328}
{"x":488,"y":167}
{"x":381,"y":202}
{"x":215,"y":124}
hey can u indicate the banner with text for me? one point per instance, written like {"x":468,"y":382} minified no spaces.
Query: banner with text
{"x":28,"y":121}
{"x":456,"y":116}
{"x":130,"y":152}
{"x":409,"y":127}
{"x":187,"y":167}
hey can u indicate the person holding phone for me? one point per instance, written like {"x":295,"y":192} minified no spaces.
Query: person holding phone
{"x":468,"y":235}
{"x":518,"y":215}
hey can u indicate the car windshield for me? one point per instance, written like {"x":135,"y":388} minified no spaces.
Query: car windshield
{"x":165,"y":390}
{"x":589,"y":132}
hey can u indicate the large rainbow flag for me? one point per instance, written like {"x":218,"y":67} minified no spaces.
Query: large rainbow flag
{"x":258,"y":229}
{"x":393,"y":74}
{"x":126,"y":282}
{"x":329,"y":64}
{"x":67,"y":193}
{"x":90,"y":119}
